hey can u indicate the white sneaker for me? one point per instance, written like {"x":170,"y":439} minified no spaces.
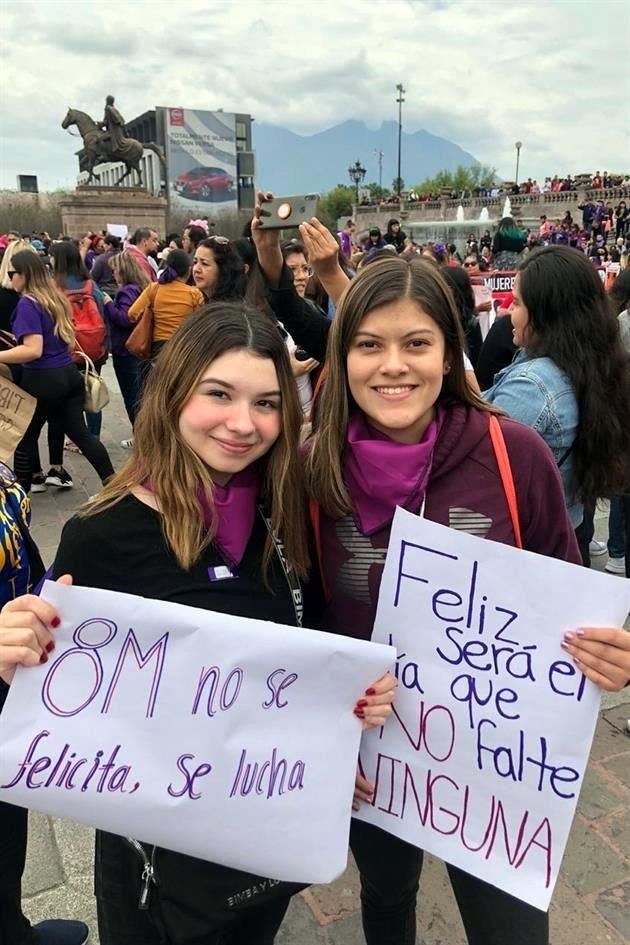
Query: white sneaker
{"x":127,"y":444}
{"x":616,"y":566}
{"x":597,"y":548}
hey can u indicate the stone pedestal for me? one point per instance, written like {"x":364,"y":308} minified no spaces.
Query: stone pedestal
{"x":94,"y":208}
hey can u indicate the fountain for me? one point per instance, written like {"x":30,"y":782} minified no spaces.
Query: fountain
{"x":460,"y":214}
{"x":484,"y":216}
{"x":507,"y":208}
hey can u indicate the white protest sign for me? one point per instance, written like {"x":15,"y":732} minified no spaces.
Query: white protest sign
{"x":229,"y":739}
{"x":483,"y":760}
{"x":118,"y":229}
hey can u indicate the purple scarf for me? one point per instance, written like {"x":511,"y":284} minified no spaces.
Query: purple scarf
{"x":235,"y":513}
{"x":235,"y":507}
{"x":381,"y":474}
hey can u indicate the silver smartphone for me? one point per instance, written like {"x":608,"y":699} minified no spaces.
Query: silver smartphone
{"x":286,"y":212}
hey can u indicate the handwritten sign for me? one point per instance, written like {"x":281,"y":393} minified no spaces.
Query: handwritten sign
{"x":228,"y":739}
{"x":16,"y":412}
{"x":483,"y":760}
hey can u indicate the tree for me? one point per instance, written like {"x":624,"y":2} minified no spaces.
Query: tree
{"x":377,"y":193}
{"x":336,"y":203}
{"x":462,"y":178}
{"x":398,"y":185}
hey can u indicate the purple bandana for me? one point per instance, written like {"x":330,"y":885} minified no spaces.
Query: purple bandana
{"x":381,"y":474}
{"x":235,"y":505}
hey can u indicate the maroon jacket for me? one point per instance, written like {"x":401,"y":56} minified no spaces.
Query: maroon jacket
{"x":465,"y":492}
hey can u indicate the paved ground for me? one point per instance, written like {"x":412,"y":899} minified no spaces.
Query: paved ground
{"x":592,"y":900}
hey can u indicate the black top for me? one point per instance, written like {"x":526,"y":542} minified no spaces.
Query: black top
{"x":308,"y":328}
{"x":497,"y":351}
{"x":123,"y":549}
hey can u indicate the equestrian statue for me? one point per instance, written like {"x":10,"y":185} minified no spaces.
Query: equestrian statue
{"x":105,"y":141}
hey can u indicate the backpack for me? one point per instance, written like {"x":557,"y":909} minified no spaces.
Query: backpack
{"x":89,"y":327}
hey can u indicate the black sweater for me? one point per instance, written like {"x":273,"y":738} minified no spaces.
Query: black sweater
{"x":124,"y":549}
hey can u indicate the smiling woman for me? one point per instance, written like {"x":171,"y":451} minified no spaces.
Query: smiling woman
{"x":399,"y":426}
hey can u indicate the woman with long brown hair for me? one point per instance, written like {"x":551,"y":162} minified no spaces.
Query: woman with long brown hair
{"x":42,"y":325}
{"x":130,"y":280}
{"x":196,"y":517}
{"x":398,"y":425}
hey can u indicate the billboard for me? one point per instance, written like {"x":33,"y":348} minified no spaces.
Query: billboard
{"x":200,"y":159}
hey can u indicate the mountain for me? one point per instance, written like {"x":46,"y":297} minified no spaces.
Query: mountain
{"x":287,"y":163}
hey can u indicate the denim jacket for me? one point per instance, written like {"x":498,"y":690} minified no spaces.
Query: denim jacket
{"x":536,"y":392}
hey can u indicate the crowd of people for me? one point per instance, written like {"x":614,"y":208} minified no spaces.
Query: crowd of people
{"x":529,"y":187}
{"x":262,"y":374}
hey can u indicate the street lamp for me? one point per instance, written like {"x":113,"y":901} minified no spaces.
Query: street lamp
{"x":381,"y":155}
{"x":400,"y":100}
{"x":357,"y":174}
{"x":518,"y":146}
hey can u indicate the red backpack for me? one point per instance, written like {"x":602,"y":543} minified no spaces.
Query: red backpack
{"x":89,"y":327}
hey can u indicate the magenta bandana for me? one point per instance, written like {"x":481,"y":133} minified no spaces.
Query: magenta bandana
{"x":381,"y":474}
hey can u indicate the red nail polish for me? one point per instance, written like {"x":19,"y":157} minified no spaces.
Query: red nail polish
{"x":370,"y":692}
{"x":360,"y":714}
{"x":50,"y":647}
{"x":55,"y":622}
{"x":361,"y":703}
{"x":43,"y":658}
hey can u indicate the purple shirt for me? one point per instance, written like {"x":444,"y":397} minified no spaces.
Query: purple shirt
{"x":116,"y":312}
{"x":31,"y":318}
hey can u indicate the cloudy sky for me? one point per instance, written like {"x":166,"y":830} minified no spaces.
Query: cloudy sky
{"x":483,"y":73}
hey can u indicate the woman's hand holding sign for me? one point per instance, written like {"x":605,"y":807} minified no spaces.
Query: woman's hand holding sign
{"x":375,"y":707}
{"x":602,"y":654}
{"x":26,"y":636}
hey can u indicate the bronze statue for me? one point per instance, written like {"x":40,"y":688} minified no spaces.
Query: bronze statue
{"x":114,"y":125}
{"x":107,"y":142}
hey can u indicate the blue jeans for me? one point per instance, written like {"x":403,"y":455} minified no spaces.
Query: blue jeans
{"x":127,"y":370}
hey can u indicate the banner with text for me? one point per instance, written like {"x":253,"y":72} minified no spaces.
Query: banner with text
{"x":229,"y":739}
{"x":200,"y":160}
{"x":483,"y":760}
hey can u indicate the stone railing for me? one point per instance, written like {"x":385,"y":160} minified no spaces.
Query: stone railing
{"x":529,"y":206}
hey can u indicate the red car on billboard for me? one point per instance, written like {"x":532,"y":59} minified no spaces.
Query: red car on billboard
{"x":205,"y":182}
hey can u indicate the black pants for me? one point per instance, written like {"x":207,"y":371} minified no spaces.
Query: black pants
{"x":185,"y":917}
{"x":584,"y":534}
{"x":59,"y":393}
{"x":390,"y":875}
{"x":14,"y":927}
{"x":625,"y":512}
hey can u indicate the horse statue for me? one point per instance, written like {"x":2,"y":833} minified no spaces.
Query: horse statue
{"x":98,"y":147}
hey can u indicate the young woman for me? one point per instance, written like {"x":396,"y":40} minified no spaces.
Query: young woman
{"x":570,"y":380}
{"x":214,"y":476}
{"x":463,"y":293}
{"x":218,"y":270}
{"x":508,"y":244}
{"x":398,"y":425}
{"x":130,"y":280}
{"x":72,"y":277}
{"x":42,"y":325}
{"x":172,"y":300}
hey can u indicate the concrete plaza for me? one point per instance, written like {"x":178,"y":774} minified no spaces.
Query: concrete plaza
{"x":591,"y":904}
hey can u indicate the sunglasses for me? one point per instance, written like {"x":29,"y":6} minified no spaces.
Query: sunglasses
{"x":470,"y":265}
